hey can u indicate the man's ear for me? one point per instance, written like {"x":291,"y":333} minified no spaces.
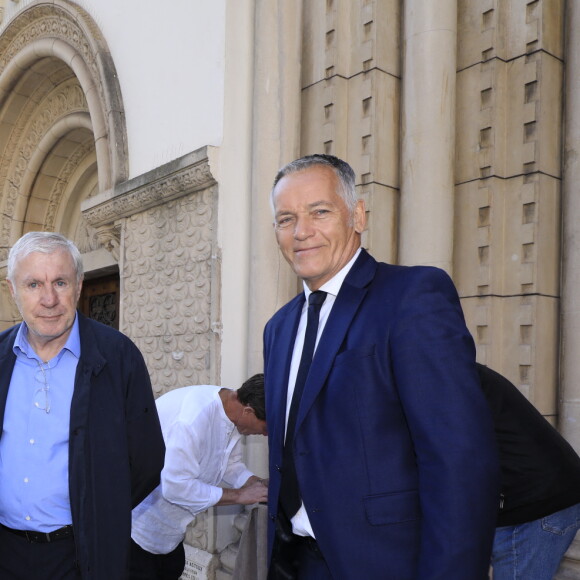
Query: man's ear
{"x":10,"y":287}
{"x":360,"y":217}
{"x":79,"y":289}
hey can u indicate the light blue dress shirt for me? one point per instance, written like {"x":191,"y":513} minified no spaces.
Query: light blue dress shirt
{"x":34,"y":491}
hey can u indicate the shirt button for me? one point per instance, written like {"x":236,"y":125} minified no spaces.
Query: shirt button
{"x":26,"y":480}
{"x":27,"y":518}
{"x":32,"y":442}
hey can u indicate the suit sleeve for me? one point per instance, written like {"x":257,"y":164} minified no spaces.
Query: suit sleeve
{"x":144,"y":437}
{"x":451,"y":427}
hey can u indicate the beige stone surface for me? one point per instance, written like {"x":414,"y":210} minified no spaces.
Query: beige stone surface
{"x":569,"y":393}
{"x":428,"y":133}
{"x":507,"y":236}
{"x":345,"y":37}
{"x":358,"y":120}
{"x":508,"y":118}
{"x":381,"y":235}
{"x":507,"y":29}
{"x":517,"y":336}
{"x":374,"y":127}
{"x":324,"y":119}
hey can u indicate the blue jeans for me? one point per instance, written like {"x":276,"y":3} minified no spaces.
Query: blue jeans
{"x":533,"y":551}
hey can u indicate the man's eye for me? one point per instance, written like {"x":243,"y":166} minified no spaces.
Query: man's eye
{"x":61,"y":284}
{"x":321,"y":212}
{"x":283,"y":222}
{"x":33,"y":285}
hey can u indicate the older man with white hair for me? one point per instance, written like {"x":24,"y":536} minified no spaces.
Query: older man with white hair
{"x":81,"y":442}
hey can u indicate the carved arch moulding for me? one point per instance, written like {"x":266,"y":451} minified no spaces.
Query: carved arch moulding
{"x":59,"y":91}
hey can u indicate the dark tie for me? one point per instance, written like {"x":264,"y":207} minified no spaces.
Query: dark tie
{"x":289,"y":490}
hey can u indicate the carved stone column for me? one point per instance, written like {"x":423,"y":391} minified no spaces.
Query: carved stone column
{"x":276,"y":125}
{"x":428,"y":133}
{"x":570,"y":314}
{"x":569,"y":420}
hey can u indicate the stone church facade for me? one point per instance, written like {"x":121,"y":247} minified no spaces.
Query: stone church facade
{"x":462,"y":123}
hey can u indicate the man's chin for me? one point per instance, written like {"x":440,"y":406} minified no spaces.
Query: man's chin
{"x":46,"y":333}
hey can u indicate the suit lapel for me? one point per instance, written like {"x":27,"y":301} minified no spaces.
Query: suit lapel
{"x":348,"y":300}
{"x":286,"y":332}
{"x":7,"y":360}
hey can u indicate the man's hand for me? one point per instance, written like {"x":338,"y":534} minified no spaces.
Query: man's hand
{"x":253,"y":491}
{"x":255,"y":479}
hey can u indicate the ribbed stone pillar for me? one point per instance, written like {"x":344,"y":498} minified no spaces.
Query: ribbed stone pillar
{"x":428,"y":133}
{"x":569,"y":423}
{"x":569,"y":416}
{"x":276,"y":129}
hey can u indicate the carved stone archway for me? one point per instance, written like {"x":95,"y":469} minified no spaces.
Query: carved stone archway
{"x":63,"y":136}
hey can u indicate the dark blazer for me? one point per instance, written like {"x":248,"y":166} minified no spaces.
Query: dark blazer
{"x":116,"y":448}
{"x":394,"y":445}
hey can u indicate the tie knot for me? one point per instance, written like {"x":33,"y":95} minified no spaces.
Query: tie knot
{"x":317,"y":298}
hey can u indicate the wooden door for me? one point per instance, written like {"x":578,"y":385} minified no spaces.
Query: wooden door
{"x":100,"y":300}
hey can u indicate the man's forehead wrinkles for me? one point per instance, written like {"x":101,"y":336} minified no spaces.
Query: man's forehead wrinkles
{"x":311,"y":205}
{"x":43,"y":278}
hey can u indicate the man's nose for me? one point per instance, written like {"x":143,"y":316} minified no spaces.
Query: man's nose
{"x":49,"y":296}
{"x":303,"y":228}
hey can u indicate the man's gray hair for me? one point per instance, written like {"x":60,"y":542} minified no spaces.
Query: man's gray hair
{"x":342,"y":170}
{"x":45,"y":243}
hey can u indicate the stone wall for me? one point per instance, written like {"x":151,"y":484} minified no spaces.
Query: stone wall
{"x":163,"y":223}
{"x":508,"y":174}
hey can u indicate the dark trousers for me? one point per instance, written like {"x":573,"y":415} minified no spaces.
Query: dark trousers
{"x":148,"y":566}
{"x":24,"y":560}
{"x":295,"y":557}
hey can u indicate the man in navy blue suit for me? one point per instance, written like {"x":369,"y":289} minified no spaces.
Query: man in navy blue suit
{"x":389,"y":443}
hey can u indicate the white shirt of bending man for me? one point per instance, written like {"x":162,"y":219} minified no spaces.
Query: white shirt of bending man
{"x":203,"y":450}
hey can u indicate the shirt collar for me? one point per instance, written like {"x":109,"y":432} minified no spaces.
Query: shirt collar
{"x":72,"y":344}
{"x":333,"y":285}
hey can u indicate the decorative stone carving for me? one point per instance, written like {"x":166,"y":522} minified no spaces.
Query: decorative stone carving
{"x":170,"y":267}
{"x":197,"y":533}
{"x":11,"y":315}
{"x":150,"y":194}
{"x":75,"y":39}
{"x":85,"y":237}
{"x":168,"y":275}
{"x":70,"y":165}
{"x":50,"y":21}
{"x":38,"y":119}
{"x":109,"y":237}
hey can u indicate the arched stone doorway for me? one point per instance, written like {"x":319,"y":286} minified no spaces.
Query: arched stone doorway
{"x":62,"y":130}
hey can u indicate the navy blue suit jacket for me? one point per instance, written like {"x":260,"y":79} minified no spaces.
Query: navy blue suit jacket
{"x":394,"y":444}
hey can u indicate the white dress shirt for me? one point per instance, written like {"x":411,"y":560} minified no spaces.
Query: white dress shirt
{"x":300,"y":522}
{"x":203,"y":450}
